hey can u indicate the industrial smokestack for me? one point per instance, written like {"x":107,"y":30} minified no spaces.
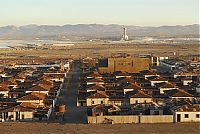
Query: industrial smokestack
{"x":124,"y":36}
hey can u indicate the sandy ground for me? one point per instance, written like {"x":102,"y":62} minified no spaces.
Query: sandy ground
{"x":55,"y":128}
{"x":104,"y":50}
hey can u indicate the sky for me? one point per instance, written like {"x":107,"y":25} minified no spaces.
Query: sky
{"x":124,"y":12}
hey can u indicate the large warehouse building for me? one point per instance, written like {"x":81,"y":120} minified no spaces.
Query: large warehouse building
{"x":130,"y":65}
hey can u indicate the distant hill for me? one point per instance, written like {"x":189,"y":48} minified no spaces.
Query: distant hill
{"x":95,"y":31}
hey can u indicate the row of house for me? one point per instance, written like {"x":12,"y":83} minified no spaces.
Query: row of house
{"x":145,"y":93}
{"x":29,"y":93}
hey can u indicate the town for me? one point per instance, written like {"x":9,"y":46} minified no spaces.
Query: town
{"x":118,"y":89}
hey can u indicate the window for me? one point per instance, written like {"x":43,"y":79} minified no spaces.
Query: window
{"x":186,"y":115}
{"x":136,"y":101}
{"x":197,"y":115}
{"x":101,"y":102}
{"x":92,"y":102}
{"x":145,"y":101}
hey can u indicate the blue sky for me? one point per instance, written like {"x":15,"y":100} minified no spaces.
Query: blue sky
{"x":125,"y":12}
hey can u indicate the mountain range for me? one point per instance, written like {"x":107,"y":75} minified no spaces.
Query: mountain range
{"x":95,"y":31}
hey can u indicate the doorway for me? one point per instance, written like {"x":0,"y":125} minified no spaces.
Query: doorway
{"x":178,"y":117}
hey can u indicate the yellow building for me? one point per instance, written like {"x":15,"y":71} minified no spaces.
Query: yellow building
{"x":130,"y":65}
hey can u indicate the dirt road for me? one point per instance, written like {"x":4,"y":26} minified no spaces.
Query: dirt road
{"x":68,"y":96}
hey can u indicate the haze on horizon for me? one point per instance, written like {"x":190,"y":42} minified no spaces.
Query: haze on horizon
{"x":126,"y":12}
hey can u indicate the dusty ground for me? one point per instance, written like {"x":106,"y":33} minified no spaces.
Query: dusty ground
{"x":55,"y":128}
{"x":101,"y":50}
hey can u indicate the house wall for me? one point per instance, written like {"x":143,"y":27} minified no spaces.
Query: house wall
{"x":156,"y":118}
{"x":165,"y":89}
{"x":132,"y":119}
{"x":140,"y":100}
{"x":28,"y":116}
{"x":81,"y":101}
{"x":115,"y":119}
{"x":96,"y":83}
{"x":147,"y":76}
{"x":115,"y":102}
{"x":131,"y":65}
{"x":58,"y":79}
{"x":191,"y":118}
{"x":155,"y":82}
{"x":96,"y":101}
{"x":33,"y":101}
{"x":186,"y":82}
{"x":127,"y":90}
{"x":45,"y":92}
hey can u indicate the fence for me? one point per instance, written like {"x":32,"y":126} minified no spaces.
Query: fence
{"x":131,"y":119}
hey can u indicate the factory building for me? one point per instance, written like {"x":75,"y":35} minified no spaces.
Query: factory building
{"x":130,"y":65}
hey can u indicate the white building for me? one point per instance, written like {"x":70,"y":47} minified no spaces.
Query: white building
{"x":187,"y":113}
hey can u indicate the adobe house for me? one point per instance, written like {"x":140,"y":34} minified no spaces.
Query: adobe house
{"x":35,"y":98}
{"x":178,"y":94}
{"x":166,"y":86}
{"x":187,"y":113}
{"x":17,"y":113}
{"x":131,"y":87}
{"x":99,"y":97}
{"x":138,"y":96}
